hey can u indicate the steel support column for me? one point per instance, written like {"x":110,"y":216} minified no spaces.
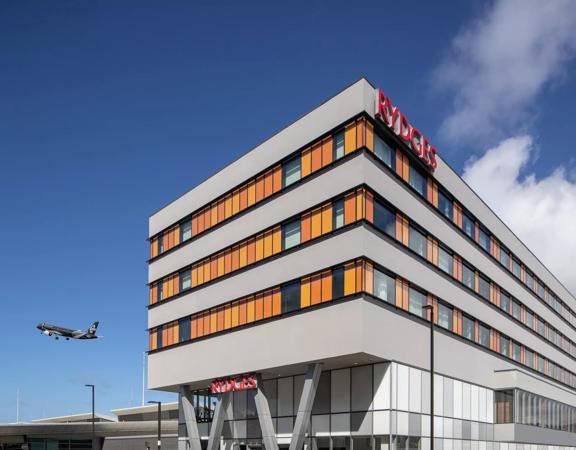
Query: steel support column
{"x":305,"y":406}
{"x":264,"y":417}
{"x":218,"y":420}
{"x":187,"y":416}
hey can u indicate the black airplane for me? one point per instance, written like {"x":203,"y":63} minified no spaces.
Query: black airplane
{"x":52,"y":330}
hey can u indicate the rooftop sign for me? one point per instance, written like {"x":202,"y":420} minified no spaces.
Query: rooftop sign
{"x":397,"y":121}
{"x":230,"y":384}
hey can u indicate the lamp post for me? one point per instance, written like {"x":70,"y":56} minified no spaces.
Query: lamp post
{"x":430,"y":309}
{"x":91,"y":386}
{"x":159,"y":422}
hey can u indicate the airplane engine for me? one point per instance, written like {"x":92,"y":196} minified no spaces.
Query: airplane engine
{"x":46,"y":333}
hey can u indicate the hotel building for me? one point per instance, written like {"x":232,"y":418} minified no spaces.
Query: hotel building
{"x":291,"y":295}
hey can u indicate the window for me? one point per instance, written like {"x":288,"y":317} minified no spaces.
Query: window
{"x":416,"y":300}
{"x":504,"y":402}
{"x":529,"y":280}
{"x":529,"y":316}
{"x":505,"y":301}
{"x":160,"y":244}
{"x":417,"y":181}
{"x":468,"y":276}
{"x":529,"y":358}
{"x":444,"y":316}
{"x":185,"y":230}
{"x":159,"y":337}
{"x":338,"y":283}
{"x":290,"y":294}
{"x":504,"y":257}
{"x":445,"y":204}
{"x":184,"y":329}
{"x":384,"y":219}
{"x":504,"y":345}
{"x":484,"y":336}
{"x":445,"y":261}
{"x":484,"y":239}
{"x":516,"y":351}
{"x":291,"y":172}
{"x":417,"y":242}
{"x":291,"y":234}
{"x":185,"y":280}
{"x":484,"y":287}
{"x":468,"y":328}
{"x":468,"y":225}
{"x":541,"y":327}
{"x":516,"y":267}
{"x":516,"y":309}
{"x":338,"y":214}
{"x":384,"y":287}
{"x":540,"y":363}
{"x":383,"y":151}
{"x":540,"y":290}
{"x":160,"y":295}
{"x":338,"y":145}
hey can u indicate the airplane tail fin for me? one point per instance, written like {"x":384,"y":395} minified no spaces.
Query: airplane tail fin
{"x":93,"y":327}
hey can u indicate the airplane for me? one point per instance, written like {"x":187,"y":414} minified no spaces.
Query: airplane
{"x":56,"y":331}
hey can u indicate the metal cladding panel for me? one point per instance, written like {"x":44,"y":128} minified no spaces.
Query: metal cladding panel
{"x":456,"y":185}
{"x":312,"y":192}
{"x":356,"y":98}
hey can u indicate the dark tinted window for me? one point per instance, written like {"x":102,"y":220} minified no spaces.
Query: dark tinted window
{"x":444,"y":316}
{"x":468,"y":328}
{"x":383,"y":151}
{"x":184,"y":329}
{"x":484,"y":240}
{"x":484,"y":287}
{"x":516,"y":267}
{"x":417,"y":181}
{"x":384,"y":219}
{"x":338,"y":283}
{"x":290,"y":297}
{"x":384,"y":286}
{"x":445,"y":205}
{"x":483,"y":335}
{"x":445,"y":261}
{"x":468,"y":276}
{"x":417,"y":242}
{"x":468,"y":225}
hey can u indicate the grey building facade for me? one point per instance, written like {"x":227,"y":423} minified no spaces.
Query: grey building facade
{"x":287,"y":297}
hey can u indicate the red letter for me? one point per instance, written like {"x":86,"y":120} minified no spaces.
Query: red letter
{"x":417,"y":142}
{"x":433,"y":161}
{"x":404,"y":127}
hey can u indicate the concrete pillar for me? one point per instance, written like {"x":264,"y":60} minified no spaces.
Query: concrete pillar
{"x":305,"y":406}
{"x":265,"y":418}
{"x":218,"y":420}
{"x":187,"y":416}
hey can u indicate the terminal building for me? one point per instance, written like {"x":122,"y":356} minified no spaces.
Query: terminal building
{"x":291,"y":295}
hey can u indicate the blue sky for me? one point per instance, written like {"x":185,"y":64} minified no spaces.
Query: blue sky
{"x":108,"y":110}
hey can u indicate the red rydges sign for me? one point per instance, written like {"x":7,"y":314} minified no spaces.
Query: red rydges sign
{"x":229,"y":384}
{"x":398,"y":122}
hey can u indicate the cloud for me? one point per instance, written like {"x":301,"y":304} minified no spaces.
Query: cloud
{"x":497,"y":66}
{"x":540,"y":211}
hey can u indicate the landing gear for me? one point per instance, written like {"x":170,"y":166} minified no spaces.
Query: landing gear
{"x":56,"y":338}
{"x":67,"y":339}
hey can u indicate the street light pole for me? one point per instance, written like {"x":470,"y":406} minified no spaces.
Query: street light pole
{"x":430,"y":309}
{"x":93,"y":433}
{"x":159,"y":422}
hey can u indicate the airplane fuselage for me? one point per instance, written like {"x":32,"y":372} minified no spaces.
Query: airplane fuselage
{"x":68,"y":333}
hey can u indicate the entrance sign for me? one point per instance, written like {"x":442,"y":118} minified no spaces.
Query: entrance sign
{"x":230,"y":384}
{"x":397,"y":121}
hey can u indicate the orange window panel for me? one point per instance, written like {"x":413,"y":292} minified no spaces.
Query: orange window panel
{"x":221,"y":210}
{"x":349,"y":208}
{"x":402,"y":229}
{"x":305,"y":227}
{"x":360,"y":132}
{"x":164,"y":336}
{"x":235,"y":259}
{"x":153,"y":294}
{"x":327,"y":218}
{"x":457,"y":215}
{"x":200,"y":221}
{"x":176,"y":336}
{"x":213,"y":320}
{"x":193,"y":327}
{"x":277,"y":240}
{"x":368,"y":278}
{"x":214,"y":214}
{"x":200,"y":324}
{"x":227,"y":261}
{"x":477,"y":232}
{"x":228,"y":316}
{"x":349,"y":279}
{"x":235,"y":314}
{"x":220,"y":266}
{"x":326,"y":286}
{"x":316,"y":223}
{"x":349,"y":138}
{"x":228,"y":206}
{"x":235,"y":202}
{"x":259,"y":188}
{"x":277,"y":179}
{"x":258,"y":307}
{"x":259,"y":247}
{"x":206,"y":270}
{"x":305,"y":292}
{"x":220,"y":319}
{"x":359,"y":204}
{"x":176,"y":284}
{"x":213,"y":271}
{"x":251,"y":251}
{"x":369,"y":136}
{"x":243,"y":254}
{"x":267,"y":300}
{"x":369,"y":206}
{"x":327,"y":151}
{"x":359,"y":276}
{"x":251,"y":198}
{"x":154,"y":247}
{"x":243,"y":198}
{"x":207,"y":219}
{"x":268,"y":244}
{"x":315,"y":289}
{"x":250,"y":310}
{"x":399,"y":284}
{"x":276,"y":302}
{"x":194,"y":225}
{"x":306,"y":162}
{"x":194,"y":275}
{"x":242,"y":312}
{"x":316,"y":157}
{"x":268,"y":187}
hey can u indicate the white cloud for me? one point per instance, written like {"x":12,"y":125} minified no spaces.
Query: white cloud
{"x":540,"y":211}
{"x":497,"y":66}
